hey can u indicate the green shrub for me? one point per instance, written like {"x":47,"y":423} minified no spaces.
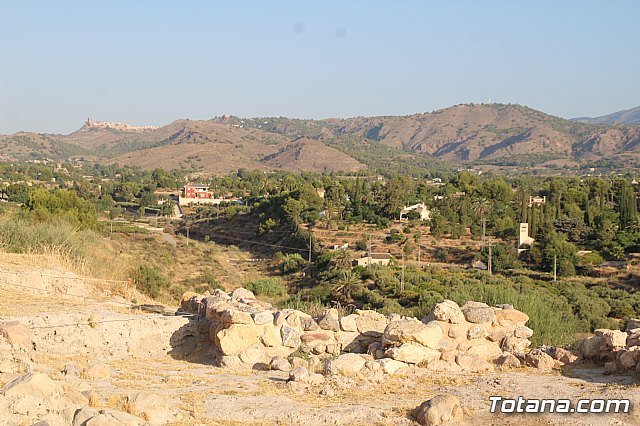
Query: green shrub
{"x":266,"y":287}
{"x":149,"y":280}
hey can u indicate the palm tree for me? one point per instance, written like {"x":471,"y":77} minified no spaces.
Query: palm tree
{"x":342,"y":259}
{"x":346,"y":284}
{"x":481,"y":208}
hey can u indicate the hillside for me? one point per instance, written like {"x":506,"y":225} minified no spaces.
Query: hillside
{"x":486,"y":133}
{"x":629,"y":117}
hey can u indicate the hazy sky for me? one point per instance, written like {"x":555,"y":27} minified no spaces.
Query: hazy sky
{"x":150,"y":62}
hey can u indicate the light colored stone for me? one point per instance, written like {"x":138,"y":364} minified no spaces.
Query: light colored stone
{"x":390,"y":366}
{"x":234,"y":316}
{"x":370,"y":323}
{"x":629,"y":359}
{"x":348,"y":323}
{"x":279,"y":363}
{"x":97,"y":371}
{"x":540,"y":360}
{"x":346,"y":364}
{"x":458,"y":331}
{"x":298,"y":374}
{"x":31,"y":384}
{"x":565,"y":356}
{"x":592,"y":346}
{"x":515,"y":344}
{"x":153,"y":406}
{"x":264,"y":317}
{"x":406,"y":331}
{"x":523,"y":332}
{"x":476,"y":332}
{"x":242,"y":293}
{"x":83,"y":414}
{"x":330,"y":320}
{"x":613,"y":338}
{"x":476,"y":312}
{"x":269,"y":335}
{"x":290,"y":337}
{"x":439,"y":410}
{"x":473,"y":363}
{"x":487,"y":351}
{"x":511,"y":316}
{"x":16,"y":333}
{"x":236,"y":338}
{"x":508,"y":360}
{"x":254,"y":355}
{"x":448,"y":311}
{"x":412,"y":353}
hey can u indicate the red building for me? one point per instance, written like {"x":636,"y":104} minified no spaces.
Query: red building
{"x":197,"y":190}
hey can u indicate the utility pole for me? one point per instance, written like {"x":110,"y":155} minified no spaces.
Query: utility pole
{"x":555,"y":267}
{"x":402,"y":275}
{"x":369,"y":251}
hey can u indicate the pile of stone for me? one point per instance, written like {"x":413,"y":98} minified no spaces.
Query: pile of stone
{"x":247,"y":332}
{"x":619,"y":351}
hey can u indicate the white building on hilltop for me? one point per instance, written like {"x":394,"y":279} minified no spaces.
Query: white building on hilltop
{"x":422,"y":210}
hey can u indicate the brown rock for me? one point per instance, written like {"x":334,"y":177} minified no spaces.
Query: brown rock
{"x":330,"y":320}
{"x":476,"y":312}
{"x":473,"y":363}
{"x":565,"y":356}
{"x":442,"y":409}
{"x":406,"y":331}
{"x":412,"y":353}
{"x":487,"y":351}
{"x":508,"y":360}
{"x":540,"y":360}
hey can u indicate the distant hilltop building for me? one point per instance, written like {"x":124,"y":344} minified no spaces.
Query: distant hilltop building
{"x":198,"y":193}
{"x":422,"y":211}
{"x":116,"y":126}
{"x":523,"y":238}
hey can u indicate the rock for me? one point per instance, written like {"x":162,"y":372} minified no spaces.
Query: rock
{"x":448,"y":311}
{"x":539,"y":359}
{"x":611,"y":367}
{"x":278,"y":363}
{"x":185,"y":301}
{"x":345,"y":364}
{"x":629,"y":359}
{"x":234,"y":316}
{"x":458,"y":331}
{"x":314,"y":379}
{"x":508,"y":360}
{"x":264,"y":317}
{"x":390,"y":366}
{"x":515,"y":344}
{"x":254,"y":355}
{"x":592,"y":346}
{"x":330,"y":320}
{"x":153,"y":406}
{"x":71,"y":370}
{"x":473,"y":363}
{"x":31,"y":384}
{"x":16,"y":333}
{"x":236,"y":338}
{"x":488,"y":351}
{"x":406,"y":331}
{"x":632,"y":324}
{"x":412,"y":353}
{"x":242,"y":293}
{"x":634,"y":337}
{"x":370,"y":323}
{"x":298,"y":374}
{"x":308,"y":324}
{"x":565,"y":356}
{"x":511,"y":317}
{"x":83,"y":414}
{"x":613,"y":338}
{"x":441,"y":409}
{"x":348,"y":340}
{"x":348,"y":323}
{"x":269,"y":335}
{"x":290,"y":337}
{"x":298,"y":362}
{"x":113,"y":418}
{"x":523,"y":332}
{"x":97,"y":371}
{"x":477,"y":313}
{"x":497,"y":334}
{"x":476,"y":332}
{"x":279,"y":318}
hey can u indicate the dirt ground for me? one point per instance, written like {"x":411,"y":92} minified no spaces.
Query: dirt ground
{"x":140,"y":351}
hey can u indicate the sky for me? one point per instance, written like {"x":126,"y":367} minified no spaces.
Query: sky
{"x":151,"y":62}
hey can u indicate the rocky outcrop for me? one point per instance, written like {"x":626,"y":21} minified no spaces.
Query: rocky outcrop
{"x":248,"y":333}
{"x":618,"y":351}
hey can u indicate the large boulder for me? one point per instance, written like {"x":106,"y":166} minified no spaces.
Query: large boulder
{"x":330,"y":320}
{"x":31,"y":384}
{"x":16,"y":333}
{"x":473,"y":363}
{"x":592,"y":346}
{"x":290,"y":337}
{"x":390,"y":366}
{"x":153,"y":406}
{"x":370,"y":323}
{"x":237,"y":337}
{"x":478,"y":313}
{"x":242,"y":293}
{"x":441,"y":409}
{"x":448,"y":311}
{"x":345,"y":364}
{"x":539,"y":359}
{"x":348,"y":323}
{"x":613,"y":338}
{"x":487,"y":351}
{"x":405,"y":331}
{"x":412,"y":353}
{"x":510,"y":316}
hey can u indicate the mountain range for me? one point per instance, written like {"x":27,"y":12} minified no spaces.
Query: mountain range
{"x":630,"y":117}
{"x":499,"y":134}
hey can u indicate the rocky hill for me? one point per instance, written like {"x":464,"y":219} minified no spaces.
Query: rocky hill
{"x":629,"y":117}
{"x":485,"y":133}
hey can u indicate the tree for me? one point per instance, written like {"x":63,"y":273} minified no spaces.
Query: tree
{"x":628,"y":205}
{"x":347,"y":283}
{"x":481,"y":208}
{"x":556,"y":247}
{"x":342,"y":259}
